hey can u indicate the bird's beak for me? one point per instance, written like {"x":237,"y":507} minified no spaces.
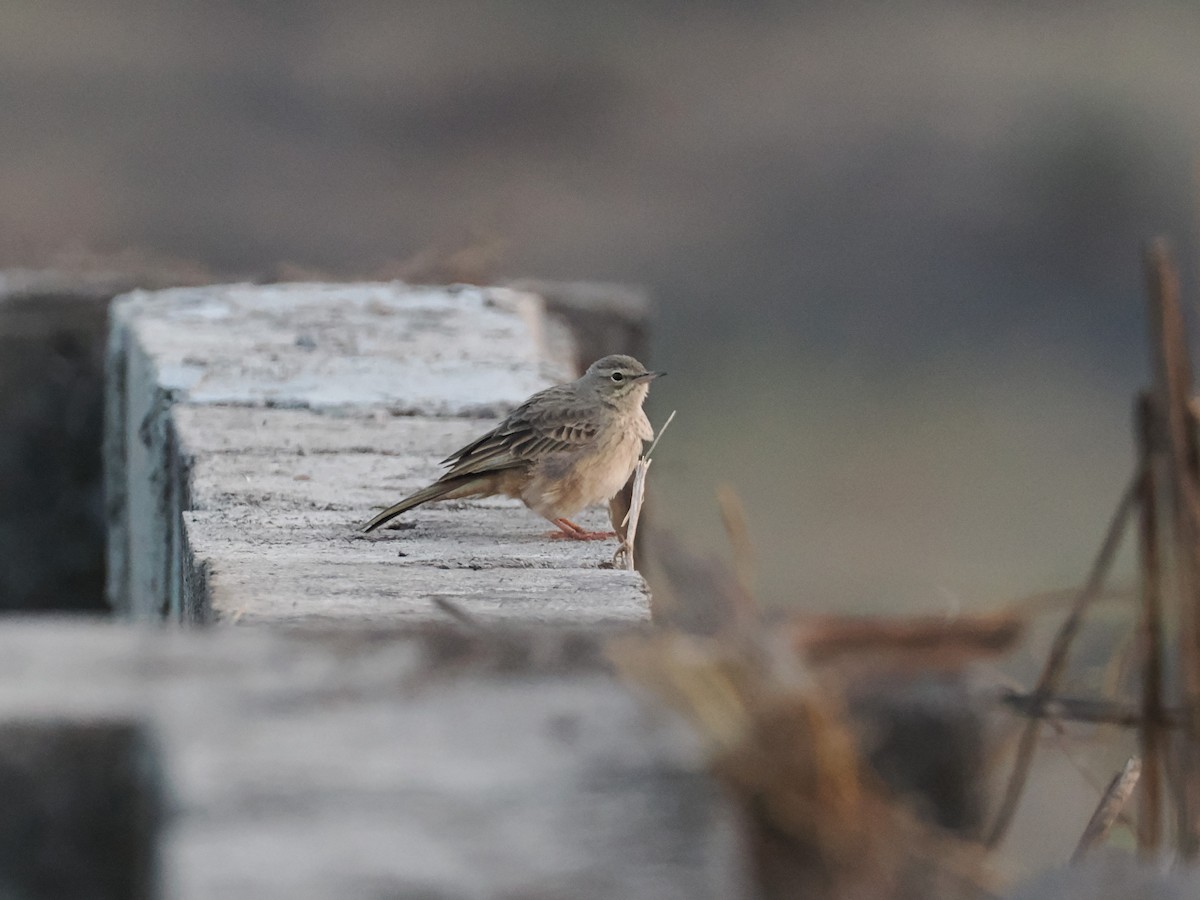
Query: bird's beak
{"x":649,"y":376}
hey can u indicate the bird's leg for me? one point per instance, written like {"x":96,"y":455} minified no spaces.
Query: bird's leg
{"x":570,"y":531}
{"x":567,"y":530}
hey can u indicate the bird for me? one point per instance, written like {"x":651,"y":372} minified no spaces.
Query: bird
{"x":567,"y":447}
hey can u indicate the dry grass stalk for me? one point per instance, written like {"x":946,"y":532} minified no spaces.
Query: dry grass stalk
{"x":1175,"y":428}
{"x":768,"y":701}
{"x":928,"y":644}
{"x":623,"y":556}
{"x":1109,"y":808}
{"x":733,"y":517}
{"x":1169,"y":462}
{"x":1152,"y":737}
{"x":819,"y":822}
{"x":697,"y":594}
{"x":628,"y":525}
{"x":1088,"y":711}
{"x":1056,"y":662}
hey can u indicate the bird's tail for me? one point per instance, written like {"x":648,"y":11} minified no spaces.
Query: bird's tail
{"x":451,"y":489}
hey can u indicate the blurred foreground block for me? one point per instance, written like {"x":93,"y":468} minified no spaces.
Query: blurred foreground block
{"x":348,"y":764}
{"x":138,"y":762}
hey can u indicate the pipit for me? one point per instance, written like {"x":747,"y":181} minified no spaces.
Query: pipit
{"x":564,"y":449}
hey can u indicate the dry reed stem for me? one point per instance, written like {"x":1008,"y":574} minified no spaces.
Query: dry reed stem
{"x":700,"y":594}
{"x":1087,"y":710}
{"x":818,"y":822}
{"x":699,"y":677}
{"x":624,"y":552}
{"x":1109,"y":808}
{"x":733,"y":516}
{"x":927,"y":643}
{"x":1057,"y":659}
{"x":1172,"y":411}
{"x":1151,"y":726}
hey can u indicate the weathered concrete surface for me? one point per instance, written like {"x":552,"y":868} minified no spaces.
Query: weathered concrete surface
{"x":377,"y":764}
{"x":253,"y":429}
{"x":409,"y":350}
{"x":285,"y":589}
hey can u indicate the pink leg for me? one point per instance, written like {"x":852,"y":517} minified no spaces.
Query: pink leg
{"x":568,"y":530}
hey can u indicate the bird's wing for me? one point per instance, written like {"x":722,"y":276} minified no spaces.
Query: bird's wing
{"x":548,"y":422}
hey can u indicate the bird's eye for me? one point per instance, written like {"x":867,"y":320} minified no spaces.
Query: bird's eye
{"x":618,"y":377}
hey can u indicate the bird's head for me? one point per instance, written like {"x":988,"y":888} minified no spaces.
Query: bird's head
{"x":619,"y":376}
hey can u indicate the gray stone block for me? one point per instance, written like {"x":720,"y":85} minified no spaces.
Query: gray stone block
{"x":278,"y":588}
{"x":410,"y":350}
{"x":257,"y":427}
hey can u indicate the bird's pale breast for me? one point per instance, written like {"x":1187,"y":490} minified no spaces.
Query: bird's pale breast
{"x":564,"y":484}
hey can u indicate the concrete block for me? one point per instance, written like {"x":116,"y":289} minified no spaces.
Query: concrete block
{"x":463,"y":535}
{"x":301,"y":432}
{"x":258,"y":427}
{"x":410,"y":350}
{"x":252,"y":586}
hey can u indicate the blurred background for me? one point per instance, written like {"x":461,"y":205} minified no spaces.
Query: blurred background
{"x":895,"y":248}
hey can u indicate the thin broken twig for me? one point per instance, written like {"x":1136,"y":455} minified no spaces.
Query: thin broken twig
{"x":624,"y":551}
{"x":1109,"y":808}
{"x":1151,"y":736}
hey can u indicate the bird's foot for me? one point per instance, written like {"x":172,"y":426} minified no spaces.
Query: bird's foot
{"x":569,"y":531}
{"x":580,"y":535}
